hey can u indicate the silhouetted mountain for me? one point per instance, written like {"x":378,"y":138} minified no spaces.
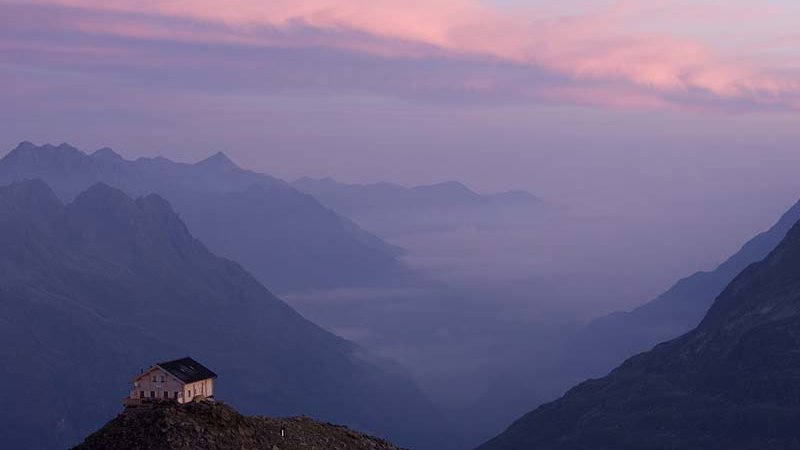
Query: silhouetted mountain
{"x":609,"y":340}
{"x":217,"y":161}
{"x":286,"y":238}
{"x":215,"y":426}
{"x":93,"y":291}
{"x":731,"y":383}
{"x":386,"y":208}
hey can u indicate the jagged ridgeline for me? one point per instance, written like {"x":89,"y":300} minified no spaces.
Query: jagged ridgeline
{"x":731,"y":383}
{"x":284,"y":237}
{"x":206,"y":425}
{"x":93,"y":291}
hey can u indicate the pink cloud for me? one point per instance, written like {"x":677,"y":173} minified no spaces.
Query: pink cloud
{"x":606,"y":45}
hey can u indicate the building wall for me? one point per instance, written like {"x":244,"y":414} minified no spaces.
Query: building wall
{"x":204,"y":388}
{"x":155,"y":383}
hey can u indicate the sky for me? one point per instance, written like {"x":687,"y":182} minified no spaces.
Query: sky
{"x":657,"y":118}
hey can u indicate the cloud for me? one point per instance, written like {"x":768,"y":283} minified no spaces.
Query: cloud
{"x":600,"y":54}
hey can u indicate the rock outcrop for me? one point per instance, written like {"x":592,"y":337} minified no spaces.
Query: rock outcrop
{"x":208,"y":425}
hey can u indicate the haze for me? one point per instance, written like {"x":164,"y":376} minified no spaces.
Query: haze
{"x":659,"y":137}
{"x":688,"y":134}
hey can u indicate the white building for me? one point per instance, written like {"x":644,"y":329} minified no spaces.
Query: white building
{"x":181,"y":380}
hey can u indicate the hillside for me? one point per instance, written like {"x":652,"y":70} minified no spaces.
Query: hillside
{"x":216,"y":426}
{"x":731,"y":383}
{"x":95,"y":290}
{"x":609,"y":340}
{"x":287,"y":239}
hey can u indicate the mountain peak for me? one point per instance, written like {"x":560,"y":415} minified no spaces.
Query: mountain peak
{"x":33,"y":194}
{"x":452,"y":185}
{"x":102,"y":197}
{"x":107,"y":154}
{"x":45,"y":155}
{"x":218,"y":160}
{"x":146,"y":226}
{"x":66,"y":147}
{"x":24,"y":146}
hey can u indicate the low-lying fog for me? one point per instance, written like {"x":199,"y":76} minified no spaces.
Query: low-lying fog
{"x":496,"y":297}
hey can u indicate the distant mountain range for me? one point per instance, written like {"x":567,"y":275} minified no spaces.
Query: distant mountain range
{"x":731,"y":383}
{"x":389,"y":209}
{"x":95,"y":290}
{"x":609,"y":340}
{"x":350,"y":198}
{"x":284,"y":237}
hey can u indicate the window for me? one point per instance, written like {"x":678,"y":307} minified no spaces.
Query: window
{"x":141,"y":394}
{"x":176,"y":395}
{"x":166,"y":395}
{"x":152,"y":394}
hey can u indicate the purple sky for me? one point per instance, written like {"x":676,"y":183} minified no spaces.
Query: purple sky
{"x":653,"y":117}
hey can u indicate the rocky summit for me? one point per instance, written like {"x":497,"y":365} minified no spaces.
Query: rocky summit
{"x":216,"y":426}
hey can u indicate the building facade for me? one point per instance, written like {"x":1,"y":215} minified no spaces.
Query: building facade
{"x":181,"y":380}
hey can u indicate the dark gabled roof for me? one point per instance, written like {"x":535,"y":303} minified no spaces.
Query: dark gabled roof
{"x":187,"y":370}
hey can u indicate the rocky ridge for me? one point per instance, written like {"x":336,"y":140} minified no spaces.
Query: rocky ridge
{"x":215,"y":426}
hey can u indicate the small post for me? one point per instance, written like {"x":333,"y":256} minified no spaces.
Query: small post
{"x":283,"y":432}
